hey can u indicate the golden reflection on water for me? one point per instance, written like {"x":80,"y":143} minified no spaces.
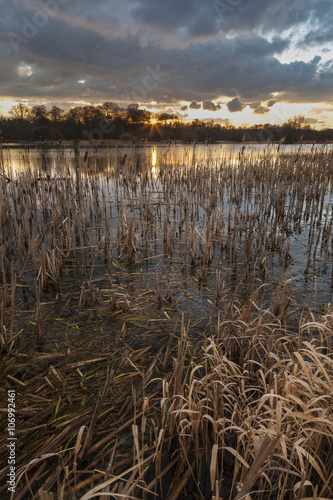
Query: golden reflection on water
{"x":154,"y":159}
{"x":153,"y":163}
{"x":55,"y":162}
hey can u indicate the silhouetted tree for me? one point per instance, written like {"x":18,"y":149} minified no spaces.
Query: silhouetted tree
{"x":39,"y":114}
{"x":75,"y":115}
{"x":137,"y":115}
{"x":110,"y":110}
{"x":56,"y":114}
{"x":20,"y":112}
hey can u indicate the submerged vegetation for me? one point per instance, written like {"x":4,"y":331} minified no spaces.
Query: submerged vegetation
{"x":166,"y":322}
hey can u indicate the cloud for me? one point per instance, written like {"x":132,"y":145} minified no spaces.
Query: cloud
{"x":195,"y":105}
{"x":194,"y":18}
{"x":259,"y":109}
{"x":184,"y":108}
{"x":209,"y":105}
{"x":310,"y":121}
{"x":235,"y":105}
{"x":220,"y":121}
{"x":117,"y":69}
{"x":116,"y":48}
{"x":321,"y":34}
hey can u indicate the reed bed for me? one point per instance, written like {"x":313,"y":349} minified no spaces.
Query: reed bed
{"x":168,"y":329}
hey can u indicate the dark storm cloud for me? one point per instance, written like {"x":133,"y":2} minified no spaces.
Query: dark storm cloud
{"x":210,"y":106}
{"x":194,"y":16}
{"x":321,"y":31}
{"x":259,"y":109}
{"x":195,"y":105}
{"x":148,"y":50}
{"x":235,"y":105}
{"x":198,"y":18}
{"x":315,"y":38}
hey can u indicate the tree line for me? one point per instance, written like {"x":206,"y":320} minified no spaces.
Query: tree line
{"x":111,"y":122}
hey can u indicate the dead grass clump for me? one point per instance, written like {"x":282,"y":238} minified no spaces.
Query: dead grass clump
{"x":265,"y":427}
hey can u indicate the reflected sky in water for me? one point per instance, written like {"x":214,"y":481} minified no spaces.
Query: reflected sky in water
{"x":56,"y":160}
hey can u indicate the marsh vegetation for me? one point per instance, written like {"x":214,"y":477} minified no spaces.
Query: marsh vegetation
{"x":166,"y":321}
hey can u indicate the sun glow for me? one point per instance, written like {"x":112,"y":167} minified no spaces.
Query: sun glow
{"x":153,"y":121}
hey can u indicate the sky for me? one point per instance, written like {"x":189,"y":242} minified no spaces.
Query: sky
{"x":236,"y":61}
